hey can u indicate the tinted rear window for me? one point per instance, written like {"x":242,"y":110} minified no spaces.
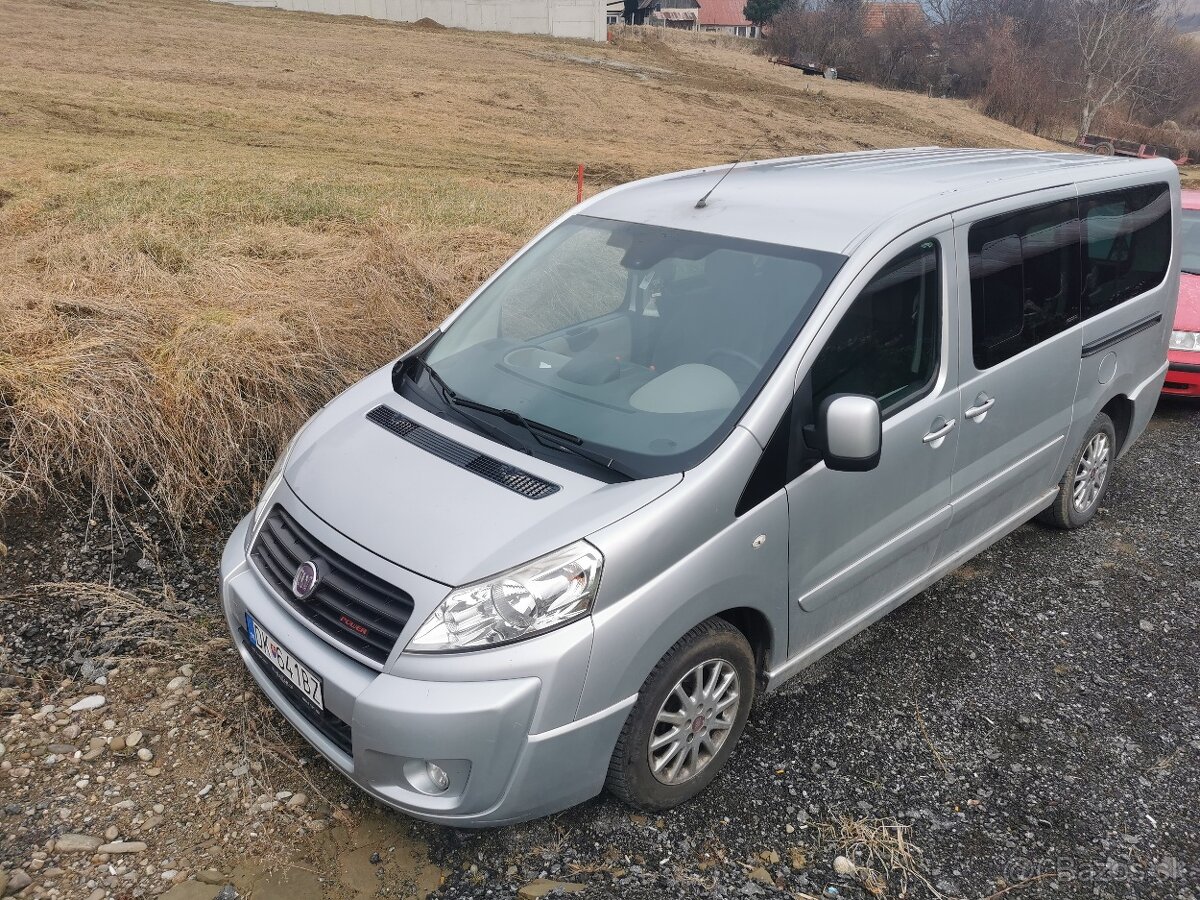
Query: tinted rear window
{"x":1127,"y":244}
{"x":1024,"y":279}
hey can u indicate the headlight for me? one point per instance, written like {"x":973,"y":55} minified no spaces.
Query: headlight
{"x":1185,"y":340}
{"x":271,"y":483}
{"x":550,"y":591}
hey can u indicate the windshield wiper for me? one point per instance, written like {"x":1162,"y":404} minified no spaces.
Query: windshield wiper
{"x":455,"y":402}
{"x":572,"y":443}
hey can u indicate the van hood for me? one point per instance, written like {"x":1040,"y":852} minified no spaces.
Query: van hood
{"x":431,"y":516}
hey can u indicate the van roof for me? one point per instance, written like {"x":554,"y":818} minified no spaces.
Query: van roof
{"x":832,"y":202}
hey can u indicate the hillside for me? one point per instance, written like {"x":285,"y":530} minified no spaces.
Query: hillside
{"x":212,"y":217}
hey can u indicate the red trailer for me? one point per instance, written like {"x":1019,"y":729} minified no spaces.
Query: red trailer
{"x":1107,"y":146}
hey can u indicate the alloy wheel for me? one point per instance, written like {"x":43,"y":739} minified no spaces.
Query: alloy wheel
{"x":694,"y":721}
{"x":1091,"y":472}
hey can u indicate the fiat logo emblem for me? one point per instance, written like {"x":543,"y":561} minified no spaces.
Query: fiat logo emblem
{"x":306,"y":580}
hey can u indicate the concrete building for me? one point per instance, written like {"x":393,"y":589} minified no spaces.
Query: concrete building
{"x":560,"y":18}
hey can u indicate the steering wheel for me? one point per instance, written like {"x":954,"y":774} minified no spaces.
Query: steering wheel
{"x":737,"y":365}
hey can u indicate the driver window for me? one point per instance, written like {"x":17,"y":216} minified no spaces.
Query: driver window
{"x":582,"y":280}
{"x":886,"y":345}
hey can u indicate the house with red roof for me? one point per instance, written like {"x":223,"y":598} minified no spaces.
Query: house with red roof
{"x":727,"y":16}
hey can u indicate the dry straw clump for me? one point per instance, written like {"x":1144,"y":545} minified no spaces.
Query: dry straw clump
{"x":213,"y":218}
{"x":187,"y":386}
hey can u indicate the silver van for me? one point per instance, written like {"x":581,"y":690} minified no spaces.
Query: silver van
{"x":691,"y":438}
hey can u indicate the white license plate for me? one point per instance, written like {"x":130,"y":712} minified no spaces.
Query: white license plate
{"x":281,"y":658}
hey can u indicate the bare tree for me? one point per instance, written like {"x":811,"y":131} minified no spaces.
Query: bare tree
{"x":900,"y":51}
{"x":1119,"y":43}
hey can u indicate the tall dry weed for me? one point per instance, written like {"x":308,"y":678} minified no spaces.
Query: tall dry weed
{"x":181,"y":387}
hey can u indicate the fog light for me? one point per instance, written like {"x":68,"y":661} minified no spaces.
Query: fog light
{"x":437,"y":776}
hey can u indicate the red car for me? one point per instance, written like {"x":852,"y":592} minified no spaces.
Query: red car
{"x":1183,"y":374}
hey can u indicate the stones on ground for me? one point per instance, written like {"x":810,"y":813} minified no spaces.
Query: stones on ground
{"x":540,"y":887}
{"x":18,"y":880}
{"x":178,"y":683}
{"x":762,"y":876}
{"x":97,"y":894}
{"x":133,"y":739}
{"x":61,"y":749}
{"x":122,"y":847}
{"x":70,"y":732}
{"x":210,"y":876}
{"x":144,"y":754}
{"x":77,"y":843}
{"x":91,"y":701}
{"x":111,"y":832}
{"x":117,"y":744}
{"x":843,"y":865}
{"x":296,"y":801}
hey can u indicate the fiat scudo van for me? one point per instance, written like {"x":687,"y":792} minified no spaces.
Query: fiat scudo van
{"x":700,"y":431}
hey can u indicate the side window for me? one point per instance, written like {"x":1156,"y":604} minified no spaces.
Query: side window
{"x":1127,"y":244}
{"x":1024,"y":280}
{"x":887,"y":344}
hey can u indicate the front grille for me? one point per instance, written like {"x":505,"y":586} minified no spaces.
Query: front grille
{"x":524,"y":483}
{"x":352,"y":606}
{"x":323,"y":720}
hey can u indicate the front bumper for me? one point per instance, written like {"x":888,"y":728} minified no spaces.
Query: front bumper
{"x":496,"y":733}
{"x":1183,"y":374}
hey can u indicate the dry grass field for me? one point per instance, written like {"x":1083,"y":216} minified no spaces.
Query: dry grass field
{"x":213,"y":218}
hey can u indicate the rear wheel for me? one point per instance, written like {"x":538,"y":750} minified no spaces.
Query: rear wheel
{"x":1085,"y":482}
{"x":689,"y":715}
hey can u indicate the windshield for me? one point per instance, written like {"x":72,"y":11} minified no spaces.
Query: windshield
{"x":1190,"y":262}
{"x":646,"y":343}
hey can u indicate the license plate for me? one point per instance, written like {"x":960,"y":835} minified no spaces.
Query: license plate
{"x":281,"y":658}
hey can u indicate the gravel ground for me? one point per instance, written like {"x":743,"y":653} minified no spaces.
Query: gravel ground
{"x":1030,"y":723}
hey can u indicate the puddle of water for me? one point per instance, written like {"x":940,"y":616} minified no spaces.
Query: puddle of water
{"x":337,"y":865}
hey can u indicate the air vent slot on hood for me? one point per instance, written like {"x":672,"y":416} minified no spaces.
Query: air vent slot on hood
{"x":517,"y":480}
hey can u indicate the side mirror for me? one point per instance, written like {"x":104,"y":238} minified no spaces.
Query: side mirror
{"x":848,"y":433}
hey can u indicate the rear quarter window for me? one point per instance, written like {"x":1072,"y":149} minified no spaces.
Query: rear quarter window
{"x":1126,"y":244}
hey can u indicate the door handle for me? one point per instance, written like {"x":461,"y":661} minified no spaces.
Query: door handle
{"x":940,"y":433}
{"x":974,"y":412}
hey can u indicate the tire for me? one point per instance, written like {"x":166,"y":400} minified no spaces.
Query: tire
{"x":1106,"y":149}
{"x":712,"y":647}
{"x":1092,"y":461}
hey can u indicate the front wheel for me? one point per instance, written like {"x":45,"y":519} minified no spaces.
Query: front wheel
{"x":1085,"y":482}
{"x":689,"y":715}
